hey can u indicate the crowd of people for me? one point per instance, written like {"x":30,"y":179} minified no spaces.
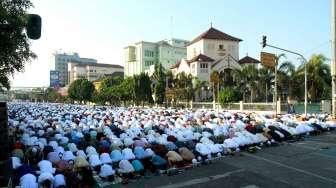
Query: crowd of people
{"x":61,"y":145}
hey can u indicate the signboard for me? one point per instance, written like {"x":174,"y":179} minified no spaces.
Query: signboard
{"x":267,"y":59}
{"x":54,"y":79}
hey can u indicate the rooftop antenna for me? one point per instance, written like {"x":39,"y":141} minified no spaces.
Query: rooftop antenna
{"x":210,"y":24}
{"x":171,"y":27}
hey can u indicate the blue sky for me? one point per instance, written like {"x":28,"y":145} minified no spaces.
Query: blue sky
{"x":101,"y":28}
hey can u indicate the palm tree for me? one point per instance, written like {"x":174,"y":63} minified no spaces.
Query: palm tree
{"x":265,"y":78}
{"x":318,"y":77}
{"x":287,"y":76}
{"x":215,"y":79}
{"x":246,"y":80}
{"x":198,"y":86}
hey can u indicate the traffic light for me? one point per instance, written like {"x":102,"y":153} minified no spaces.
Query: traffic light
{"x":33,"y":27}
{"x":263,"y":41}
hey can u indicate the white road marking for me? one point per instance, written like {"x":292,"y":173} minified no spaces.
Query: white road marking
{"x":292,"y":168}
{"x":201,"y":180}
{"x":315,"y":149}
{"x":319,"y":142}
{"x":250,"y":186}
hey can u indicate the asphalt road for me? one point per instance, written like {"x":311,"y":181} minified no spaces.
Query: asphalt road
{"x":307,"y":163}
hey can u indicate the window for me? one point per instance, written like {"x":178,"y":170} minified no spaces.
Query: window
{"x":221,"y":47}
{"x":204,"y":65}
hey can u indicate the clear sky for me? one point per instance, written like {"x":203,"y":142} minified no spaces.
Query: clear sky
{"x":101,"y":28}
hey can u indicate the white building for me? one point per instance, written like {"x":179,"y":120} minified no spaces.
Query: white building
{"x":60,"y":64}
{"x":142,"y":56}
{"x":211,"y":51}
{"x":92,"y":71}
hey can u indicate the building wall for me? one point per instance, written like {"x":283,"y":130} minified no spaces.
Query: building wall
{"x":212,"y":48}
{"x":184,"y":67}
{"x":147,"y":54}
{"x":195,"y":49}
{"x":61,"y":64}
{"x":90,"y":72}
{"x":203,"y":72}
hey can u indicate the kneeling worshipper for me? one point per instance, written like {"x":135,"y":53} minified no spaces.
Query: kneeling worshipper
{"x":106,"y":172}
{"x":174,"y":159}
{"x":28,"y":181}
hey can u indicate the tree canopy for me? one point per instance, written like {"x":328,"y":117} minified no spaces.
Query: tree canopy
{"x":15,"y":46}
{"x":81,"y":90}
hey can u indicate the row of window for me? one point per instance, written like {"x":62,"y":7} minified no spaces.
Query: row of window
{"x":149,"y":63}
{"x":149,"y":53}
{"x":92,"y":70}
{"x":204,"y":65}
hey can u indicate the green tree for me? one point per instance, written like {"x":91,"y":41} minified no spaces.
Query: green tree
{"x":286,"y":78}
{"x":126,"y":89}
{"x":14,"y":46}
{"x":246,"y":81}
{"x":227,"y":95}
{"x":159,"y":80}
{"x":266,"y":76}
{"x":215,"y":81}
{"x":51,"y":95}
{"x":142,"y":88}
{"x":81,"y":90}
{"x":318,"y":77}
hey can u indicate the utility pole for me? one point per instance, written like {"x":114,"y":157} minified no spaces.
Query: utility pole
{"x":276,"y":87}
{"x":264,"y":44}
{"x":333,"y":60}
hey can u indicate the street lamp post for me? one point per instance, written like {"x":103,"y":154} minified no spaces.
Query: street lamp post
{"x":305,"y":73}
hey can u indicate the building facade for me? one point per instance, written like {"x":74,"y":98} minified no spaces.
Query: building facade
{"x":60,"y":64}
{"x":142,"y":56}
{"x":92,"y":71}
{"x":211,"y":51}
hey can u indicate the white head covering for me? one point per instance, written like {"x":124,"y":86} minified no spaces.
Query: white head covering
{"x":81,"y":153}
{"x":59,"y":180}
{"x":45,"y":176}
{"x":105,"y":158}
{"x":16,"y":162}
{"x":72,"y":147}
{"x":106,"y":170}
{"x":68,"y":155}
{"x":91,"y":151}
{"x":94,"y":160}
{"x":28,"y":181}
{"x":46,"y":166}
